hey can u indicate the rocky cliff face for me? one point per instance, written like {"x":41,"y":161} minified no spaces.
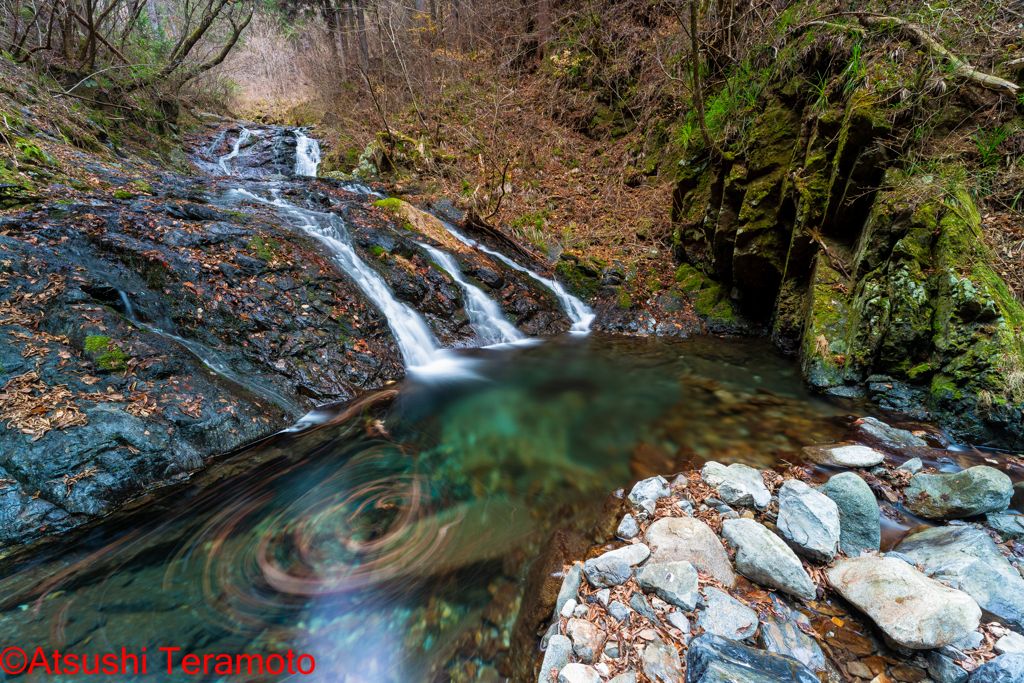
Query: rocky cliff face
{"x":876,"y":275}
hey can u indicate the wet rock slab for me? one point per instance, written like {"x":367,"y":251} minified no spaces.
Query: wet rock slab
{"x":765,"y":559}
{"x":973,"y":491}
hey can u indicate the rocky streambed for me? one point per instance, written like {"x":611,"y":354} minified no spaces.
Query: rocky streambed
{"x":730,"y":573}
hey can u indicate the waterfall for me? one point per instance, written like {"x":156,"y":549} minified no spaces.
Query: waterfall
{"x":484,"y":313}
{"x":208,"y":357}
{"x":307,"y":155}
{"x":242,"y":137}
{"x":578,"y":312}
{"x":414,"y":338}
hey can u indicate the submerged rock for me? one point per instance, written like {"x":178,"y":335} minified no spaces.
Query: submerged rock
{"x":765,"y":559}
{"x":673,"y":582}
{"x":713,"y":659}
{"x":860,"y":527}
{"x":726,"y":616}
{"x":974,"y":491}
{"x":969,"y":559}
{"x":737,"y":484}
{"x":881,"y":436}
{"x":808,"y":521}
{"x":690,"y":540}
{"x":843,"y":455}
{"x":913,"y":610}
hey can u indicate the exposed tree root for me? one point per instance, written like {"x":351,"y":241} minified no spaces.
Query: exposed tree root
{"x":922,"y":38}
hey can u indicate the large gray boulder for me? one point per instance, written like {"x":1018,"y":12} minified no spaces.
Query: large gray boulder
{"x":969,"y":559}
{"x":878,"y":434}
{"x":973,"y":491}
{"x":808,"y":521}
{"x":690,"y":540}
{"x":713,"y":659}
{"x":726,"y":616}
{"x":673,"y":582}
{"x":737,"y":484}
{"x":860,"y":527}
{"x":913,"y":610}
{"x":765,"y":559}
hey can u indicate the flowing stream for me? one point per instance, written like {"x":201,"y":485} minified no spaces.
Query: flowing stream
{"x":578,"y":312}
{"x":390,"y":538}
{"x":225,"y":160}
{"x":484,"y":313}
{"x":307,"y":155}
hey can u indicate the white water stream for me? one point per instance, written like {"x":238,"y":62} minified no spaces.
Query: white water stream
{"x":242,"y":138}
{"x":578,"y":312}
{"x":307,"y":155}
{"x":484,"y":313}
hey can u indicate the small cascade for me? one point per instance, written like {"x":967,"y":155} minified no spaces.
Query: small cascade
{"x":243,"y":137}
{"x":578,"y":312}
{"x":414,"y":338}
{"x":208,"y":357}
{"x":307,"y":155}
{"x":484,"y":313}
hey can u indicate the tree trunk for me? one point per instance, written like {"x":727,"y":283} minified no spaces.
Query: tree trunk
{"x":363,"y":45}
{"x":543,"y":25}
{"x":154,"y":18}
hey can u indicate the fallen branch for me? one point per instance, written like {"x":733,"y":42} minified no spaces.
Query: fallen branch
{"x":1013,"y":64}
{"x":921,"y":38}
{"x":859,"y":30}
{"x":475,"y":223}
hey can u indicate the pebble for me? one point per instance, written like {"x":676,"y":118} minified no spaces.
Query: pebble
{"x":556,"y":657}
{"x":765,"y":559}
{"x":640,"y":605}
{"x":673,"y":582}
{"x":568,"y":609}
{"x":737,"y":484}
{"x":628,"y":528}
{"x":911,"y":609}
{"x":944,"y":670}
{"x":587,"y":639}
{"x":611,"y":650}
{"x":690,"y":540}
{"x":603,"y":596}
{"x":914,"y":465}
{"x":650,"y":489}
{"x":843,"y":455}
{"x":580,"y":611}
{"x":678,"y":620}
{"x":726,"y":616}
{"x":628,"y":677}
{"x":612,"y":568}
{"x":578,"y":673}
{"x":661,"y":663}
{"x":570,"y":587}
{"x":1010,"y":644}
{"x":618,"y":611}
{"x":808,"y":521}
